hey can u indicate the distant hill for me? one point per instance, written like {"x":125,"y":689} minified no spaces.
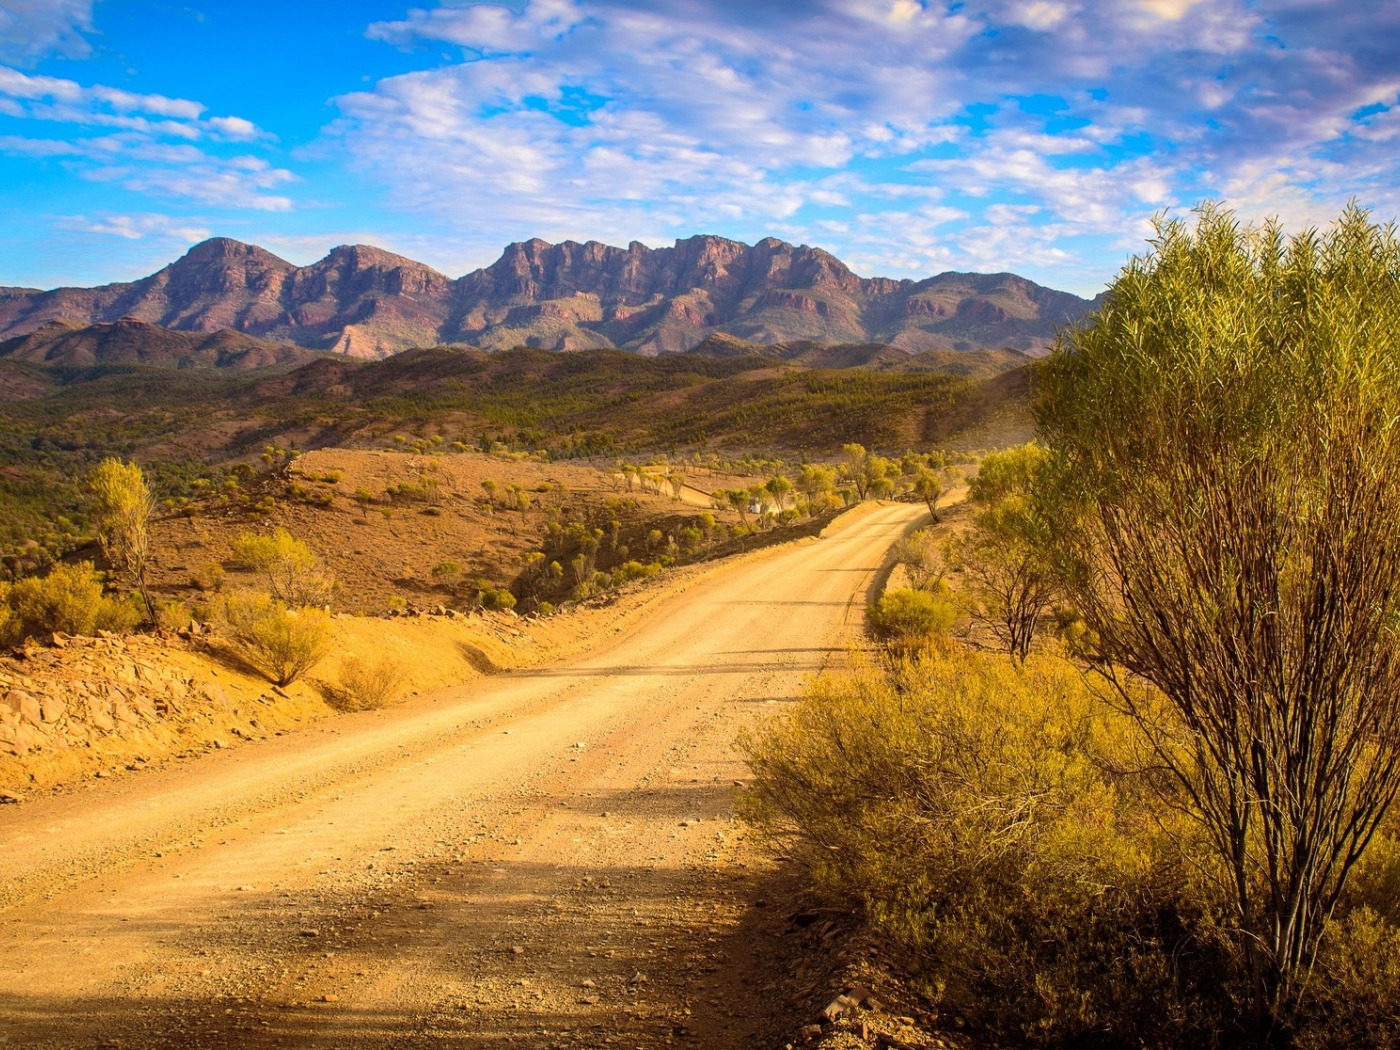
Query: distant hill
{"x":129,"y":341}
{"x":879,"y":357}
{"x":367,"y":303}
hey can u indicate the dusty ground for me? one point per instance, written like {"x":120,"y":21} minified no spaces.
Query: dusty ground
{"x":543,"y":858}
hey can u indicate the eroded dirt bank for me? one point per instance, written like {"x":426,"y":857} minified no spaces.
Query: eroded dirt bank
{"x":546,"y":857}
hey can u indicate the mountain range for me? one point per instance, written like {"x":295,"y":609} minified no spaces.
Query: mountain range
{"x":368,"y":303}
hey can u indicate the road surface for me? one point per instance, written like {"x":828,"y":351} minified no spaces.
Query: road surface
{"x":547,"y":858}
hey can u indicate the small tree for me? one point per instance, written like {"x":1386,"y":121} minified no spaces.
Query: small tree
{"x":928,"y":487}
{"x":738,"y":499}
{"x":1005,"y":558}
{"x":281,"y":642}
{"x":120,"y":505}
{"x":778,"y":487}
{"x":293,"y":571}
{"x":866,"y":472}
{"x":1225,"y":433}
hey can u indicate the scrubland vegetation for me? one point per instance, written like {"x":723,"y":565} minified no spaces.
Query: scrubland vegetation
{"x":1149,"y":801}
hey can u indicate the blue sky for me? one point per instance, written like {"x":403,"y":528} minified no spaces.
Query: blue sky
{"x":908,"y":138}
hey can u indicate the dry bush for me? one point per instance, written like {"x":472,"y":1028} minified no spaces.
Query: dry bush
{"x":11,"y":626}
{"x":174,"y":616}
{"x":1353,"y":995}
{"x":69,"y":600}
{"x":908,"y":619}
{"x":208,"y":577}
{"x":282,"y":642}
{"x":962,"y":800}
{"x":923,"y":558}
{"x":369,"y":684}
{"x":295,"y":574}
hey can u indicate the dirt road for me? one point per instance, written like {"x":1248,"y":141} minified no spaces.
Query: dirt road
{"x":543,"y":859}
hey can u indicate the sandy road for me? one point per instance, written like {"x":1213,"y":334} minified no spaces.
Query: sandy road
{"x":542,"y":859}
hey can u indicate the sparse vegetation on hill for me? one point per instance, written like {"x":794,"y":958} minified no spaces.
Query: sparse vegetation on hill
{"x":200,"y":433}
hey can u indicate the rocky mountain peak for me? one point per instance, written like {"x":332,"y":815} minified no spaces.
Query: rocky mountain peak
{"x":368,"y":302}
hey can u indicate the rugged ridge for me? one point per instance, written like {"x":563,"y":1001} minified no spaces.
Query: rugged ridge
{"x":368,"y":303}
{"x":129,"y":341}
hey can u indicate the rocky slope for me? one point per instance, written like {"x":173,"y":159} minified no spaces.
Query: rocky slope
{"x":369,"y":303}
{"x":129,"y":341}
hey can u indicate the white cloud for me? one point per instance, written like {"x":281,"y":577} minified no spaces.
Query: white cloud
{"x":136,"y":227}
{"x":157,"y":145}
{"x":34,"y":29}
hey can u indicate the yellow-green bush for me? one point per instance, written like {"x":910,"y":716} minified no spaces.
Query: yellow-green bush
{"x":293,"y":571}
{"x":964,"y":803}
{"x":69,"y":600}
{"x":908,"y":618}
{"x":282,"y":642}
{"x":11,"y":627}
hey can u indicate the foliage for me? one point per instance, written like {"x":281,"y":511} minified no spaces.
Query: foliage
{"x":282,"y":642}
{"x":1004,"y":555}
{"x":295,"y":574}
{"x":68,"y":600}
{"x":964,"y":802}
{"x":865,"y":471}
{"x":369,"y":684}
{"x":1225,"y":435}
{"x":910,"y":619}
{"x":1007,"y":473}
{"x":11,"y":625}
{"x":120,"y":507}
{"x":489,"y":596}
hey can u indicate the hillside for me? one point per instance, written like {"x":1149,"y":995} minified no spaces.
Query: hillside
{"x":132,"y":342}
{"x":190,"y":426}
{"x":367,"y":303}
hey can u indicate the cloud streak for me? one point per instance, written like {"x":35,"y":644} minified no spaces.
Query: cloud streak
{"x":159,"y":146}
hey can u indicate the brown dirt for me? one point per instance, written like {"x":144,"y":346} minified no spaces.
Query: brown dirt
{"x":546,"y":857}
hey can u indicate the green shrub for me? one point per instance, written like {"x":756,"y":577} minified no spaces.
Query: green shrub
{"x":295,"y":574}
{"x":489,"y":596}
{"x":208,"y":577}
{"x":11,"y":626}
{"x":70,"y":600}
{"x":964,"y":803}
{"x":173,"y":616}
{"x":907,"y":618}
{"x":368,"y":684}
{"x":634,"y":570}
{"x":281,"y":642}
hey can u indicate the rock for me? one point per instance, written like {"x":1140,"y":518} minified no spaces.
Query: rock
{"x":810,"y":1032}
{"x":308,"y":933}
{"x":29,"y":709}
{"x":27,"y":737}
{"x":860,"y":995}
{"x":330,"y":998}
{"x":99,"y":717}
{"x":839,"y":1006}
{"x":9,"y":798}
{"x":52,"y":708}
{"x":58,"y":640}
